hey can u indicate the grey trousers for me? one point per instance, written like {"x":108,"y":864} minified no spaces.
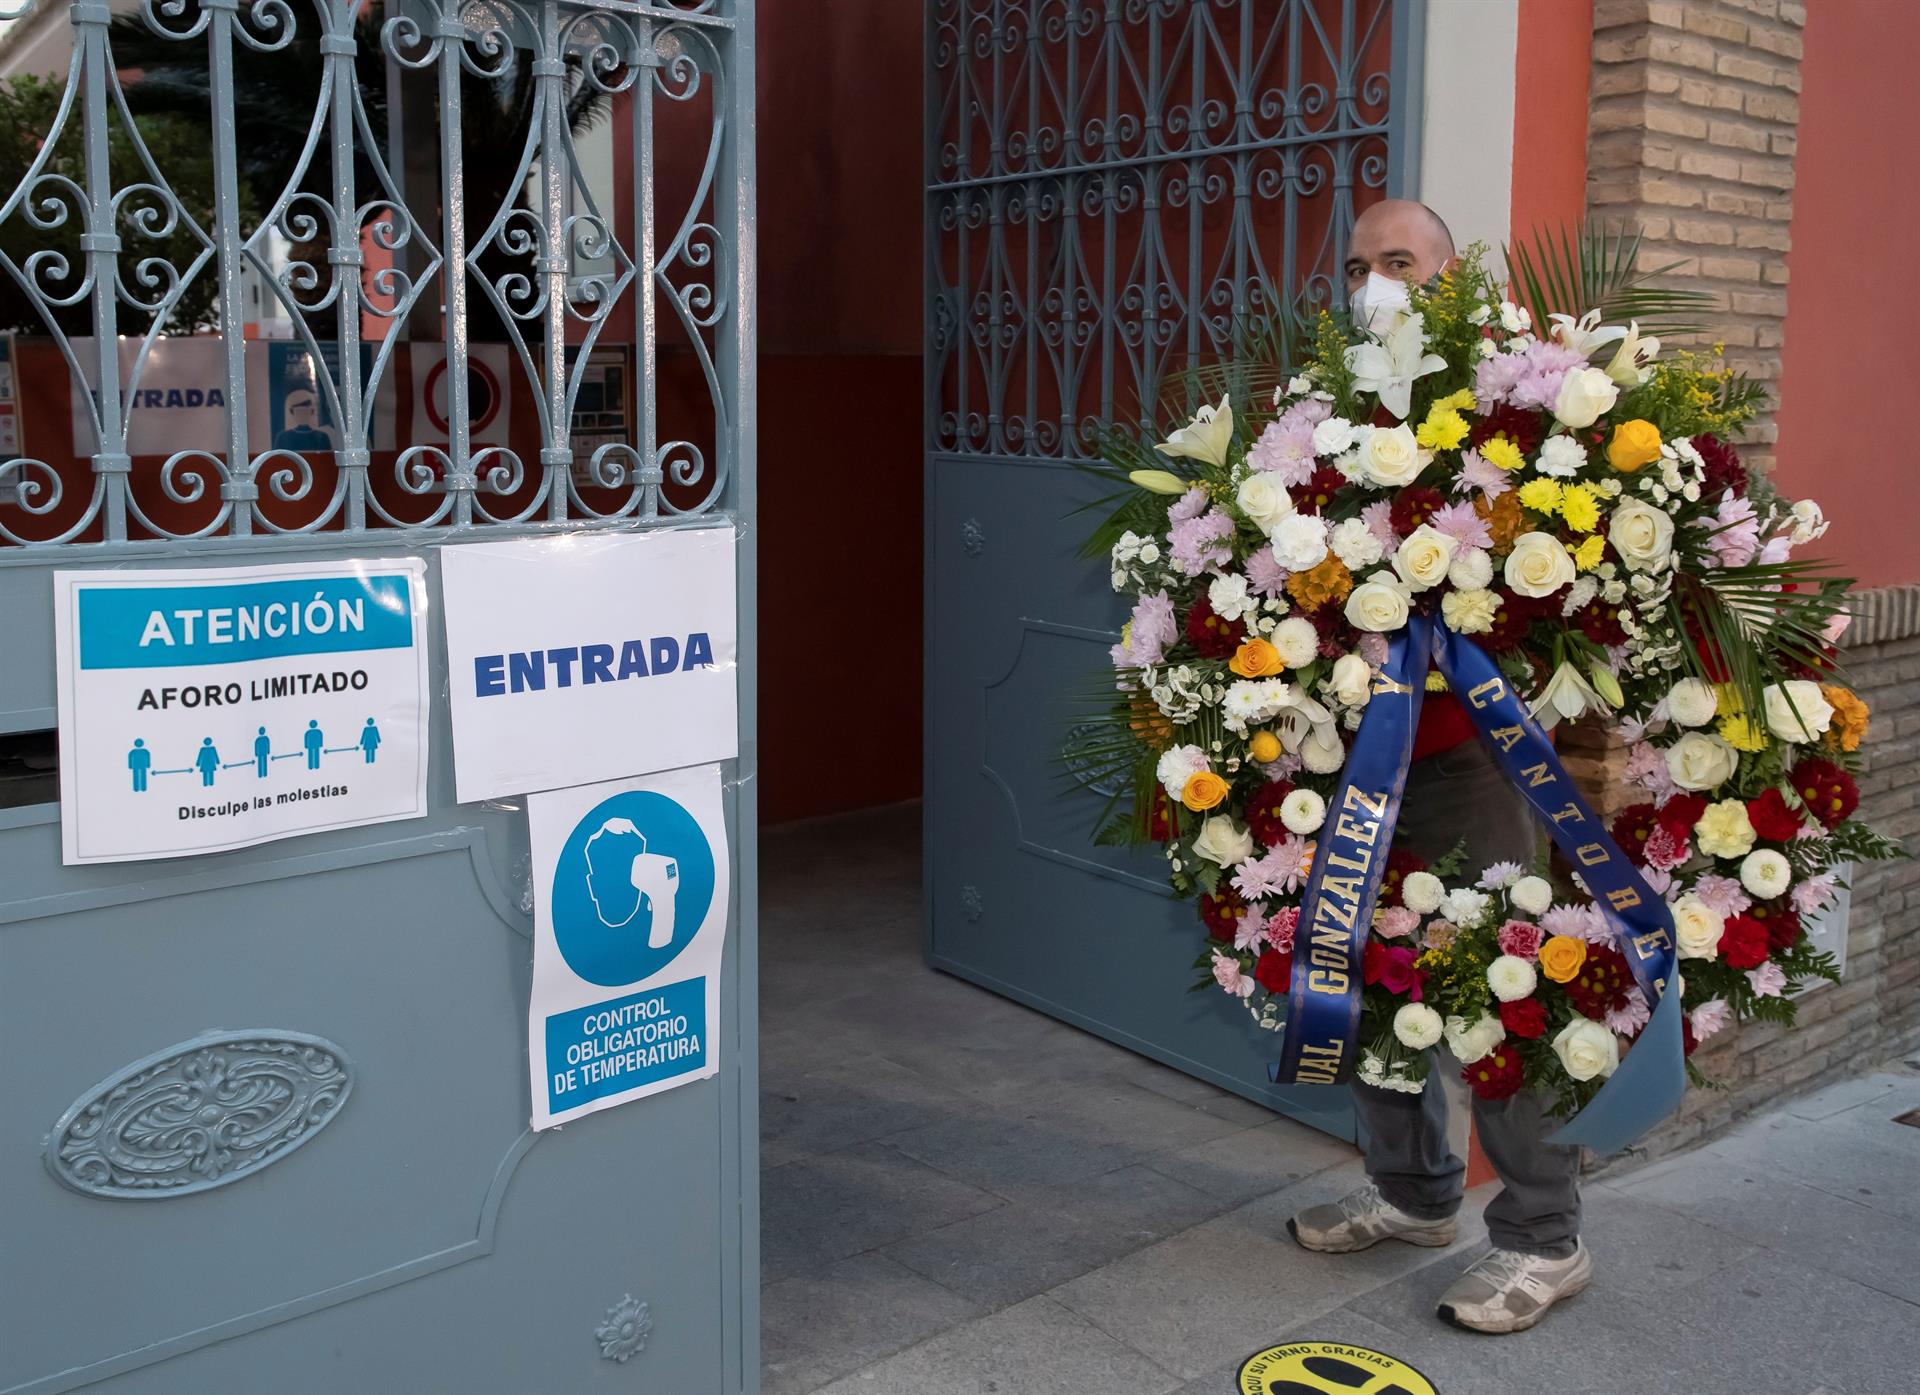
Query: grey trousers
{"x":1454,"y":795}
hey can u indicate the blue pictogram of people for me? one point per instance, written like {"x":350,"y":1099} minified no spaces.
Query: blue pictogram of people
{"x":206,"y":763}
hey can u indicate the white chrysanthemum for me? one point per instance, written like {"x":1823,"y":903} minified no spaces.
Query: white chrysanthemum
{"x":1692,"y":702}
{"x":1355,"y":544}
{"x":1472,"y":569}
{"x":1562,"y":456}
{"x":1418,"y":1026}
{"x":1296,"y":640}
{"x":1300,"y":541}
{"x":1469,"y":1041}
{"x":1422,"y":892}
{"x":1511,"y":978}
{"x":1465,"y":906}
{"x":1532,"y":895}
{"x":1766,"y":874}
{"x":1243,"y":704}
{"x":1323,"y":752}
{"x":1303,"y":811}
{"x":1229,"y":597}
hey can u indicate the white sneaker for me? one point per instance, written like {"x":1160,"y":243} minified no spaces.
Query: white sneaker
{"x":1365,"y":1218}
{"x":1507,"y":1291}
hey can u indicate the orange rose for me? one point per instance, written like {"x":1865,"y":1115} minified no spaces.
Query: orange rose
{"x":1562,"y":957}
{"x":1635,"y":443}
{"x":1329,"y":582}
{"x":1256,"y":659}
{"x":1849,"y":723}
{"x":1203,"y":790}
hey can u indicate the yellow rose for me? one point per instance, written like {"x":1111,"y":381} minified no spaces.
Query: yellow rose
{"x":1265,"y":747}
{"x":1562,"y":957}
{"x":1256,"y":659}
{"x":1635,"y":443}
{"x":1203,"y":790}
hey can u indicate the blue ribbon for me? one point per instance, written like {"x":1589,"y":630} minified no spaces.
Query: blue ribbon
{"x":1321,"y":1044}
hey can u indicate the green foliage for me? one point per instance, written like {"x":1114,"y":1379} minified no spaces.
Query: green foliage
{"x":1761,"y":632}
{"x":1596,"y":269}
{"x":1691,"y":393}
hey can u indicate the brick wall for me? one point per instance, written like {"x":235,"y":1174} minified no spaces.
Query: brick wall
{"x":1695,"y":105}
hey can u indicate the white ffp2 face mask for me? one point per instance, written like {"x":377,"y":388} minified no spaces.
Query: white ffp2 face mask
{"x":1374,"y":305}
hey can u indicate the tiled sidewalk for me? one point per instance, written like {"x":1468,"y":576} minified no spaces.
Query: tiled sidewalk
{"x":962,"y":1197}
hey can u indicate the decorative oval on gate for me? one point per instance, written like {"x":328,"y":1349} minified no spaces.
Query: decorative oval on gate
{"x":200,"y":1114}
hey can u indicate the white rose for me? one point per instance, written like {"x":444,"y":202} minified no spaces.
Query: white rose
{"x":1356,"y":545}
{"x":1391,"y":457}
{"x":1323,"y":752}
{"x":1511,"y":978}
{"x":1469,"y":1041}
{"x":1332,"y":436}
{"x":1469,"y":612}
{"x":1471,"y":569}
{"x":1422,"y":892}
{"x":1424,"y":557}
{"x":1586,"y":394}
{"x":1377,"y":606}
{"x":1697,"y":928}
{"x":1418,"y":1026}
{"x":1264,"y":500}
{"x":1303,"y":811}
{"x":1300,"y":541}
{"x":1641,"y":534}
{"x":1296,"y":640}
{"x":1223,"y":841}
{"x":1538,"y":565}
{"x":1765,"y":873}
{"x":1701,"y":761}
{"x":1531,"y":895}
{"x":1797,"y":710}
{"x":1352,"y":680}
{"x":1562,"y":456}
{"x":1693,"y":702}
{"x":1808,"y":522}
{"x":1465,"y":906}
{"x":1587,"y":1048}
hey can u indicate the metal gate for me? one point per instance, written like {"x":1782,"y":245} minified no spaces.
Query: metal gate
{"x":1115,"y":189}
{"x":399,"y":207}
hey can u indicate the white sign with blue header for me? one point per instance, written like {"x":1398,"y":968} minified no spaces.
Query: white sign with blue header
{"x":212,"y":708}
{"x":630,"y":918}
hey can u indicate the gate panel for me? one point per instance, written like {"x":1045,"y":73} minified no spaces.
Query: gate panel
{"x":1115,"y":191}
{"x":336,"y":1189}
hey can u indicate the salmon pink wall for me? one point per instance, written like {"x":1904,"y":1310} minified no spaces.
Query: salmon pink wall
{"x":1851,"y":299}
{"x":1551,"y":64}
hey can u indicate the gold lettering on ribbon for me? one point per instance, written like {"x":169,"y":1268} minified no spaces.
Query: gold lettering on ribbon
{"x":1332,"y":981}
{"x":1384,"y":685}
{"x":1591,"y":854}
{"x":1651,"y":943}
{"x":1319,"y":1065}
{"x":1364,"y":832}
{"x":1374,"y":804}
{"x":1495,"y":688}
{"x":1347,"y":888}
{"x":1508,"y":737}
{"x":1538,"y":775}
{"x":1623,"y":898}
{"x":1572,"y":811}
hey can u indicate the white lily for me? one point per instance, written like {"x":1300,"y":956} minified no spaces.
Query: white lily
{"x":1568,"y":695}
{"x":1630,"y":364}
{"x":1585,"y":336}
{"x":1206,"y":437}
{"x":1389,"y":366}
{"x":1301,"y":718}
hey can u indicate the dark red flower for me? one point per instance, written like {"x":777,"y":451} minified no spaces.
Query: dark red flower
{"x":1223,"y":911}
{"x":1600,"y":623}
{"x":1631,"y":828}
{"x":1510,"y":624}
{"x":1771,"y":818}
{"x":1399,"y":863}
{"x":1713,"y":664}
{"x":1496,"y":1075}
{"x":1414,"y":505}
{"x":1724,"y":470}
{"x":1517,"y":424}
{"x":1214,"y":637}
{"x":1318,"y":492}
{"x":1603,"y":983}
{"x":1780,"y":922}
{"x":1158,"y":817}
{"x":1263,"y":812}
{"x":1274,"y":971}
{"x":1679,"y":814}
{"x":1828,"y":791}
{"x":1391,"y":966}
{"x":1743,"y":944}
{"x":1687,"y":1039}
{"x":1524,"y":1017}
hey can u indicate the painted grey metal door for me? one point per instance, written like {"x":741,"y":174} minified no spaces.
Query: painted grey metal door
{"x":1115,"y":190}
{"x":297,"y":1074}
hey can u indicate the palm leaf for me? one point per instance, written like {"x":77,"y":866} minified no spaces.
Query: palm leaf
{"x":1598,"y":269}
{"x":1749,"y":630}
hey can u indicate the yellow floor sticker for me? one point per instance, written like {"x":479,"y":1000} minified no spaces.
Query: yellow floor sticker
{"x":1328,"y":1368}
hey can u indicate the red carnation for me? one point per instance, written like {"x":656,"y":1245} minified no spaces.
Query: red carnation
{"x":1724,"y":471}
{"x":1318,"y":492}
{"x":1743,"y":944}
{"x":1223,"y":911}
{"x":1679,"y":814}
{"x":1517,"y":424}
{"x":1496,"y":1075}
{"x":1263,"y":812}
{"x":1400,"y":862}
{"x":1631,"y":828}
{"x":1780,"y":922}
{"x":1273,"y":970}
{"x":1600,"y":623}
{"x":1524,"y":1017}
{"x":1603,"y":983}
{"x":1828,"y":791}
{"x":1214,"y":637}
{"x":1391,"y":966}
{"x":1771,"y":818}
{"x":1414,"y":505}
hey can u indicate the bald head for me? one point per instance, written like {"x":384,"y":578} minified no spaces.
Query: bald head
{"x":1398,"y":238}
